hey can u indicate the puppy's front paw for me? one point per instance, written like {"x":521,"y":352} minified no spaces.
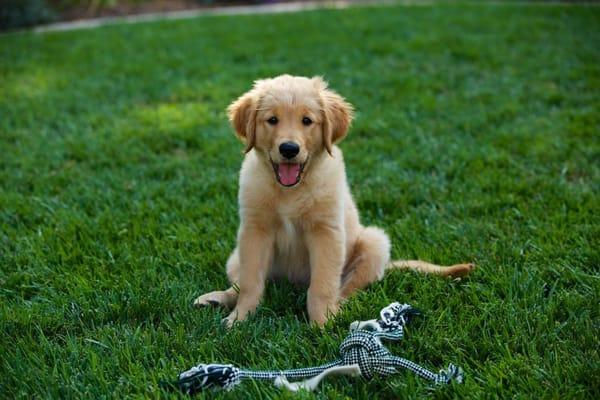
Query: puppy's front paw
{"x":233,"y":318}
{"x":216,"y":298}
{"x":321,"y":319}
{"x":320,"y":310}
{"x":228,"y":321}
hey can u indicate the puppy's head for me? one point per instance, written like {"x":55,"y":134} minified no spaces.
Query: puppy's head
{"x":288,"y":120}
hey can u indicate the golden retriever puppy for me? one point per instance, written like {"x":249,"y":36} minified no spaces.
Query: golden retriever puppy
{"x":297,"y":217}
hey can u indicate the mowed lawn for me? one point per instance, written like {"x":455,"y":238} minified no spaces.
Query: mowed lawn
{"x":476,"y":139}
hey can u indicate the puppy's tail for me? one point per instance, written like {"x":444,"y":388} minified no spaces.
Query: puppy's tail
{"x":454,"y":271}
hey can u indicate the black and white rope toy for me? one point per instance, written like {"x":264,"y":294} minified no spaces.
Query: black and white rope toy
{"x":361,"y":353}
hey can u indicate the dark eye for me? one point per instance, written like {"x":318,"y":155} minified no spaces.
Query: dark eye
{"x":273,"y":121}
{"x":306,"y":121}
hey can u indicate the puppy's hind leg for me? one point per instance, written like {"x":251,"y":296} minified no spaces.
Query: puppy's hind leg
{"x":225,"y":298}
{"x":368,"y":260}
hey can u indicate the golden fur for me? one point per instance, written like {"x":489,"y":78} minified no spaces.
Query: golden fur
{"x":309,"y":233}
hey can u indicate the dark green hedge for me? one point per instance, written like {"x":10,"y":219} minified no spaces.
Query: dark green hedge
{"x":24,"y":13}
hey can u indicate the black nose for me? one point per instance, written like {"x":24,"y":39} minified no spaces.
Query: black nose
{"x":289,"y":149}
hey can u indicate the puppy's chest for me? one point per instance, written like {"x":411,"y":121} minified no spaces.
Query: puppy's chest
{"x":289,"y":237}
{"x":291,"y":218}
{"x":291,"y":259}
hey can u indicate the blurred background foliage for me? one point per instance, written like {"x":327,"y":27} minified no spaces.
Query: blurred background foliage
{"x":25,"y":13}
{"x":16,"y":14}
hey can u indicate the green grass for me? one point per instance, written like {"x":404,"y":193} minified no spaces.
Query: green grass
{"x":476,"y":138}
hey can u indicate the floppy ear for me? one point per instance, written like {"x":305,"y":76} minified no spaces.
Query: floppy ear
{"x":242,"y":115}
{"x":338,"y":115}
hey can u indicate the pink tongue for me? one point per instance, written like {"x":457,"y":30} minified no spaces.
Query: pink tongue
{"x":288,"y":173}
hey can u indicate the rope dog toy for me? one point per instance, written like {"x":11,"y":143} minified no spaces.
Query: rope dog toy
{"x":361,"y":353}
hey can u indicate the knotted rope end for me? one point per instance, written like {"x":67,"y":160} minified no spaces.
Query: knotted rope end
{"x":392,"y":320}
{"x":450,"y":374}
{"x":205,"y":376}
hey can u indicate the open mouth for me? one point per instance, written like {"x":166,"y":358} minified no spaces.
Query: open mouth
{"x":288,"y":174}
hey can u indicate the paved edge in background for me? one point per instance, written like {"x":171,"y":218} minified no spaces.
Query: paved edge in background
{"x":262,"y":9}
{"x":193,"y":13}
